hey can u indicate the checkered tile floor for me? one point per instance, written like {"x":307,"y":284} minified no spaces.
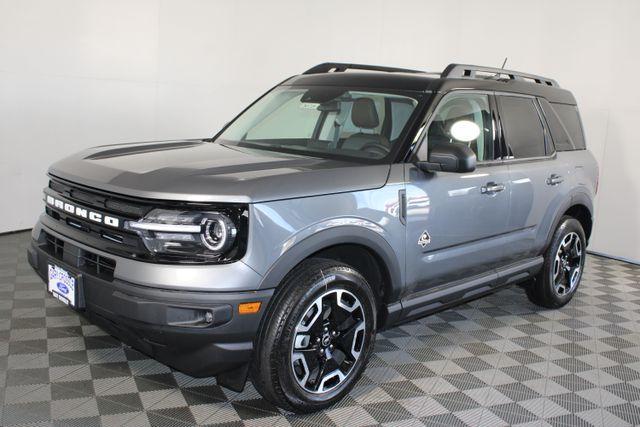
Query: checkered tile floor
{"x":496,"y":361}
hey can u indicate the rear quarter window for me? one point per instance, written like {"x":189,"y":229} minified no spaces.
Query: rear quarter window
{"x":561,"y":138}
{"x":570,"y":118}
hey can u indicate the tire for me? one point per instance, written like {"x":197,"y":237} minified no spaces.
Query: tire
{"x":557,"y":282}
{"x":278,"y":371}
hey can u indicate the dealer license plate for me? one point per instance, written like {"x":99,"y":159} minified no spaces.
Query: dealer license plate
{"x":62,"y":285}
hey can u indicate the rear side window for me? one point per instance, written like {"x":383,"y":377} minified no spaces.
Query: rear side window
{"x":523,"y":130}
{"x":571,"y":120}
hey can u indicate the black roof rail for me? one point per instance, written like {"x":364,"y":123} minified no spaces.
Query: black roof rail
{"x":469,"y":71}
{"x":340,"y":67}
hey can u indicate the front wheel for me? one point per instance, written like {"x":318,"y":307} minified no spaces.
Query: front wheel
{"x":317,"y":336}
{"x":564,"y":260}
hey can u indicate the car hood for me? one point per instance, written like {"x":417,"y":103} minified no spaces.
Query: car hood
{"x":199,"y":171}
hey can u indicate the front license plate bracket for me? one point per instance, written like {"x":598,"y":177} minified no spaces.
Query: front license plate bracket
{"x":65,"y":285}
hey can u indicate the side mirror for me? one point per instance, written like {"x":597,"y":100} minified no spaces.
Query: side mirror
{"x":449,"y":157}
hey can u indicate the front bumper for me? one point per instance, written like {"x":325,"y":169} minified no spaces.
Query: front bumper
{"x":171,"y":326}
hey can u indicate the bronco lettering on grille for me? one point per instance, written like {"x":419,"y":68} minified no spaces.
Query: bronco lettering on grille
{"x":83,"y":212}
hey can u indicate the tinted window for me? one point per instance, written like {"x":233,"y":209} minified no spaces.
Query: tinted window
{"x":464,"y":118}
{"x":571,"y":120}
{"x":522,"y":127}
{"x":560,"y":136}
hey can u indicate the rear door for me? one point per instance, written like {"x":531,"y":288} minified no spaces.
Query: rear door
{"x":456,"y":221}
{"x":536,"y":174}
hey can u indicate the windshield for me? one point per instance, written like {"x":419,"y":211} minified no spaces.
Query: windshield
{"x":324,"y":121}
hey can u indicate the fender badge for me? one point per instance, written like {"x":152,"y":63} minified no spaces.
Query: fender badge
{"x":424,"y":239}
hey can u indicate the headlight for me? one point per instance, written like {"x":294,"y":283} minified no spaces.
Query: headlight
{"x":192,"y":236}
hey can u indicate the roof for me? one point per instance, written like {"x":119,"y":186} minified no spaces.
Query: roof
{"x":455,"y":76}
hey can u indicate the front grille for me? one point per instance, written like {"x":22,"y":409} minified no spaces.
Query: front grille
{"x":84,"y":260}
{"x":100,"y":200}
{"x":117,"y":241}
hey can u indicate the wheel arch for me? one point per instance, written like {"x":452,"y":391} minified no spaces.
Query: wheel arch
{"x":583,"y":215}
{"x":580,"y":207}
{"x":359,"y":247}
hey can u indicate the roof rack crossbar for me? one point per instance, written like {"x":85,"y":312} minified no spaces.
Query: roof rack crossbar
{"x":470,"y":71}
{"x":340,"y":67}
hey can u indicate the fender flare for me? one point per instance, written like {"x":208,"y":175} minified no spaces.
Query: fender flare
{"x":577,"y":198}
{"x":346,"y":234}
{"x":582,"y":198}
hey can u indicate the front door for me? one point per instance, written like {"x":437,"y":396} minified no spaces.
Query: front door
{"x":456,"y":222}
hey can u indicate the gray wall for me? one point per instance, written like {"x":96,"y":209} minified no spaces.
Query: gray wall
{"x":79,"y":73}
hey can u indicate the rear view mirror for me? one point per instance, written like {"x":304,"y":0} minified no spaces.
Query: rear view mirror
{"x":330,"y":106}
{"x":322,"y":94}
{"x":449,"y":158}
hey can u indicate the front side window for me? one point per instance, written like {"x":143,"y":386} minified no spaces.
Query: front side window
{"x":464,"y":118}
{"x":321,"y":121}
{"x":522,"y":127}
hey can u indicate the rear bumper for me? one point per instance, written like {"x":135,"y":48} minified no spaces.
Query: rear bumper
{"x":171,"y":326}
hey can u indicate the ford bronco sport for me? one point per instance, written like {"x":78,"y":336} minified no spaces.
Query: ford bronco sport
{"x":344,"y":200}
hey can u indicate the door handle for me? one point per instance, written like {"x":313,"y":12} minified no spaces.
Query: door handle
{"x":491,"y":188}
{"x":554,"y":179}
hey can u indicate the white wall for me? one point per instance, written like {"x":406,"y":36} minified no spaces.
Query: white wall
{"x":80,"y":73}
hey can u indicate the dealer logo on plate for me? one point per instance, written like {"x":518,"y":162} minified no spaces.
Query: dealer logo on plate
{"x":63,"y":288}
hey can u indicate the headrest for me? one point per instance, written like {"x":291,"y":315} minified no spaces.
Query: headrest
{"x":459,"y":108}
{"x":364,"y":113}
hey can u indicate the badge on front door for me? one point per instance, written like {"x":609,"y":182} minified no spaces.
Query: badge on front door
{"x":424,"y":239}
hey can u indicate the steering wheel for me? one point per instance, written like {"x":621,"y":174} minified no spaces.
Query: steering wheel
{"x":377,"y":149}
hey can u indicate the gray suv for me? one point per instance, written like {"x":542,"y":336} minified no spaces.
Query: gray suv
{"x":343,"y":201}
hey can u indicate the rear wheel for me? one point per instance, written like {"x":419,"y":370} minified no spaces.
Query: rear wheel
{"x":564,"y":260}
{"x":317,"y":336}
